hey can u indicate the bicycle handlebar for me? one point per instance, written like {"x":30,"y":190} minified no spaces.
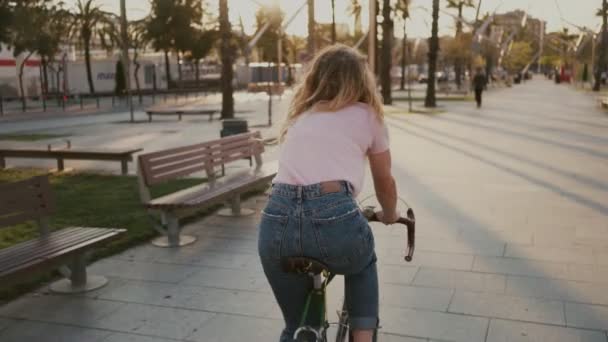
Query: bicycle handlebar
{"x":409,"y":222}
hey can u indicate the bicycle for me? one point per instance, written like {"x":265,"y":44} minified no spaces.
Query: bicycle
{"x":314,"y":323}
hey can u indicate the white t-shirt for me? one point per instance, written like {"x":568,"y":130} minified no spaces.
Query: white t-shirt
{"x":330,"y":146}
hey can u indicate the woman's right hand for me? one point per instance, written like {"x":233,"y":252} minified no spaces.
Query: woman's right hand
{"x":388,"y":219}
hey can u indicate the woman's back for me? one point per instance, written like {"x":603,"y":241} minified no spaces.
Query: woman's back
{"x":325,"y":146}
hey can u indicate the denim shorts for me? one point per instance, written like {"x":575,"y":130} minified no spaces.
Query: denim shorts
{"x":301,"y":221}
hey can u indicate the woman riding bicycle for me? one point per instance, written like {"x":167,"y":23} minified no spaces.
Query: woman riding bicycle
{"x":335,"y":123}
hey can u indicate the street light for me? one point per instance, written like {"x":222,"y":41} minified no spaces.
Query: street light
{"x":125,"y":54}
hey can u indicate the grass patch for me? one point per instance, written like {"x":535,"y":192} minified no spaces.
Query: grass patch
{"x":31,"y":137}
{"x":89,"y":200}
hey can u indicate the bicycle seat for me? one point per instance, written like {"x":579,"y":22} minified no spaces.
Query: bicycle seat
{"x":303,"y":265}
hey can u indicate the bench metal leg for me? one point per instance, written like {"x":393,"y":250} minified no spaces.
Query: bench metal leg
{"x":124,"y":167}
{"x":235,"y":209}
{"x":2,"y":162}
{"x":149,"y":117}
{"x":60,"y":166}
{"x":172,"y":237}
{"x":78,"y":280}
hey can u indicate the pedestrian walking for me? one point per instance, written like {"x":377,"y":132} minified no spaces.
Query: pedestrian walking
{"x":479,"y":84}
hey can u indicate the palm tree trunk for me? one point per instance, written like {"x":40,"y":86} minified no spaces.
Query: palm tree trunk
{"x":403,"y":56}
{"x":458,"y":64}
{"x":22,"y":92}
{"x":430,"y":100}
{"x":601,"y":63}
{"x":197,"y":70}
{"x":226,"y":55}
{"x":387,"y":49}
{"x":311,"y":28}
{"x":136,"y":75}
{"x":167,"y":69}
{"x":87,"y":60}
{"x":333,"y":21}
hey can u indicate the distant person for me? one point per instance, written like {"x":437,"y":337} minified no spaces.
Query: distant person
{"x":479,"y":84}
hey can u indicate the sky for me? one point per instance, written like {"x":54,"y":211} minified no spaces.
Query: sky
{"x":579,"y":12}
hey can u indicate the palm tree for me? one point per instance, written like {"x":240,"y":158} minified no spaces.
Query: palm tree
{"x":86,"y":20}
{"x":459,"y":4}
{"x":430,"y":100}
{"x":403,"y":7}
{"x":355,"y":9}
{"x":387,"y":51}
{"x":311,"y":28}
{"x":226,"y":53}
{"x":333,"y":21}
{"x":601,"y":62}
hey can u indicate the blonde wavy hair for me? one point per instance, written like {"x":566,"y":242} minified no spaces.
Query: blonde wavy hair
{"x":337,"y":77}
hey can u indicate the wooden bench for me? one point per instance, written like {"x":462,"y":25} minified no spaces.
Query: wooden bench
{"x":179,"y":112}
{"x":158,"y":167}
{"x":32,"y":200}
{"x":122,"y":155}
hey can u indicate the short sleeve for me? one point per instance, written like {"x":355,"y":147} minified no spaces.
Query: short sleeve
{"x":380,"y":141}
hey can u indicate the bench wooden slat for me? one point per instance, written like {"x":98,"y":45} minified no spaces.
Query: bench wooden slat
{"x":11,"y":276}
{"x":30,"y":243}
{"x":13,"y":257}
{"x":195,"y":195}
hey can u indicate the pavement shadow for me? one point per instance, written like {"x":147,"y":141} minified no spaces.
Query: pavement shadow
{"x":526,"y":124}
{"x":588,"y":181}
{"x":513,"y":133}
{"x":589,"y":203}
{"x":445,"y":210}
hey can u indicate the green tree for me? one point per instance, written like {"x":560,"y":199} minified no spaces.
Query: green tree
{"x":601,"y":61}
{"x":226,"y":52}
{"x":87,"y":20}
{"x":202,"y":44}
{"x":268,"y":43}
{"x":520,"y":55}
{"x":459,"y":5}
{"x":387,"y":52}
{"x":430,"y":100}
{"x":403,"y":10}
{"x":159,"y":33}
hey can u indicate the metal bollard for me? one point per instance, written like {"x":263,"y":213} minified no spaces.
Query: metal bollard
{"x":1,"y":106}
{"x":43,"y":103}
{"x":97,"y":99}
{"x":81,"y":104}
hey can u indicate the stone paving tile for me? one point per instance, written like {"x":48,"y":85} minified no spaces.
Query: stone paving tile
{"x":575,"y":291}
{"x":433,"y":325}
{"x":59,"y":309}
{"x":415,"y":297}
{"x":137,"y":270}
{"x":26,"y":331}
{"x":228,"y":279}
{"x":163,"y":294}
{"x":394,"y":274}
{"x":229,"y":328}
{"x":154,"y":321}
{"x":510,"y":331}
{"x":587,"y":316}
{"x":424,"y":258}
{"x":118,"y":337}
{"x":543,"y":269}
{"x":462,"y":280}
{"x":509,"y":307}
{"x":5,"y":322}
{"x":481,"y":247}
{"x":520,"y":237}
{"x":576,"y":255}
{"x":234,"y":302}
{"x":396,"y":338}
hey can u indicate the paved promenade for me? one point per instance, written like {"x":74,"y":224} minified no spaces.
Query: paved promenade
{"x":512,"y":208}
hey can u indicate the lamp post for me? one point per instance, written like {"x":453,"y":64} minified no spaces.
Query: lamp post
{"x":125,"y":54}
